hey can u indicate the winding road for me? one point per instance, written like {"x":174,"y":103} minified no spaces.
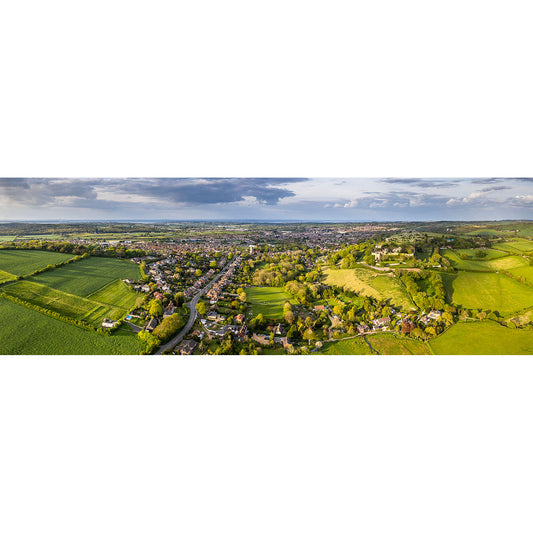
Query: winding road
{"x":193,"y":313}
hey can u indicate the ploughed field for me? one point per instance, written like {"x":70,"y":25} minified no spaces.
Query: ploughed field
{"x":89,"y":290}
{"x":25,"y":331}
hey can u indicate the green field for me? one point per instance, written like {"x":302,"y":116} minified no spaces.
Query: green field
{"x":515,"y":246}
{"x":471,"y":252}
{"x":268,"y":300}
{"x":495,"y":260}
{"x":480,"y":290}
{"x":465,"y":264}
{"x":356,"y":346}
{"x":477,"y":338}
{"x":88,"y":276}
{"x":64,"y":303}
{"x":508,"y":263}
{"x":24,"y":262}
{"x":6,"y":276}
{"x":525,"y":272}
{"x":25,"y":331}
{"x":391,"y":344}
{"x":370,"y":283}
{"x":489,"y":232}
{"x":117,"y":294}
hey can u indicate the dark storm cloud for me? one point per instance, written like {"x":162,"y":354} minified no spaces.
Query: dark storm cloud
{"x":188,"y":191}
{"x":46,"y":191}
{"x":214,"y":190}
{"x":422,"y":182}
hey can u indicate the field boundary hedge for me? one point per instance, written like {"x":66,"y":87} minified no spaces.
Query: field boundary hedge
{"x":55,"y":314}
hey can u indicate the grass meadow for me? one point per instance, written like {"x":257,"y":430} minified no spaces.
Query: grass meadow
{"x":6,"y":276}
{"x":525,"y":272}
{"x":483,"y":338}
{"x":480,"y":290}
{"x":117,"y":294}
{"x":24,"y":262}
{"x":268,"y":300}
{"x":88,"y":276}
{"x":391,"y":344}
{"x":25,"y":331}
{"x":356,"y":346}
{"x":516,"y":246}
{"x":369,"y":283}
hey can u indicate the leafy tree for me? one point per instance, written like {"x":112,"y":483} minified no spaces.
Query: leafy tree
{"x":201,"y":307}
{"x":309,"y":335}
{"x":198,"y":273}
{"x":289,"y":317}
{"x":155,"y":307}
{"x":150,"y":341}
{"x":168,"y":327}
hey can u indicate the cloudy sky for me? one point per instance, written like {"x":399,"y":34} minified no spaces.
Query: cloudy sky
{"x":321,"y":199}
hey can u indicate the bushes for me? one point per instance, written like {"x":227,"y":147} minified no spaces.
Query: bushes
{"x":168,"y":327}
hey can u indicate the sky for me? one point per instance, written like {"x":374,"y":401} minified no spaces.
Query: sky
{"x":277,"y":199}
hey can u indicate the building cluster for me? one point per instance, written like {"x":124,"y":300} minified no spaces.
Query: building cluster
{"x":198,"y":284}
{"x":215,"y":292}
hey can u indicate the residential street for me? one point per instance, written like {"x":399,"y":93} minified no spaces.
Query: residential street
{"x":192,"y":317}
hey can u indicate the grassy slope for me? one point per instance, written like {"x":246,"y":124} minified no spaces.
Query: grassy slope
{"x":356,"y":346}
{"x":66,"y":304}
{"x":25,"y":331}
{"x":479,"y":290}
{"x":268,"y":300}
{"x":483,"y":338}
{"x":6,"y":276}
{"x":526,"y":272}
{"x":390,"y":344}
{"x":369,"y":283}
{"x":116,"y":294}
{"x":515,"y":246}
{"x":88,"y":276}
{"x":23,"y":262}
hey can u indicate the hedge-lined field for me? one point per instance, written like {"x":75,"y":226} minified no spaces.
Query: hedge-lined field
{"x":6,"y":276}
{"x":63,"y":303}
{"x":117,"y":294}
{"x":356,"y":346}
{"x":515,"y":246}
{"x":268,"y":300}
{"x":480,"y":290}
{"x":24,"y":262}
{"x":88,"y":276}
{"x":525,"y":272}
{"x":370,"y":283}
{"x":390,"y":344}
{"x":478,"y":338}
{"x":25,"y":331}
